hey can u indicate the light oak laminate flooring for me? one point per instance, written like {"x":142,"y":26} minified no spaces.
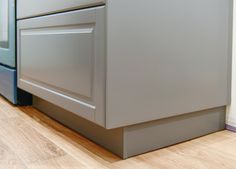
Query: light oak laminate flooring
{"x":31,"y":140}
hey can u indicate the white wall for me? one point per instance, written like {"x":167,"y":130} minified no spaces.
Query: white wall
{"x":231,"y":112}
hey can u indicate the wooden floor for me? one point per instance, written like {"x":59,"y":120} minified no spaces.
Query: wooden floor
{"x":31,"y":140}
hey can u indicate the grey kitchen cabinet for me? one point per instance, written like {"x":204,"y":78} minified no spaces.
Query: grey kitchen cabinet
{"x":130,"y":67}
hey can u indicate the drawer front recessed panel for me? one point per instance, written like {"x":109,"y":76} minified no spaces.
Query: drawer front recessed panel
{"x":57,"y":57}
{"x":64,"y":58}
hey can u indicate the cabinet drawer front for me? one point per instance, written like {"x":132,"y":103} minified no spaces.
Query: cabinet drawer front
{"x":63,"y":58}
{"x":30,"y":8}
{"x":57,"y":56}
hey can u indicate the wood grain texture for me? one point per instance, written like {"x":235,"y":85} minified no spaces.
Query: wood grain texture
{"x":8,"y":158}
{"x":31,"y":140}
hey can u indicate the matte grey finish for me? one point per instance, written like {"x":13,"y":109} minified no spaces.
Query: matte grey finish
{"x":30,"y":8}
{"x":161,"y":133}
{"x":166,"y":58}
{"x":110,"y":139}
{"x":140,"y":138}
{"x":61,"y":59}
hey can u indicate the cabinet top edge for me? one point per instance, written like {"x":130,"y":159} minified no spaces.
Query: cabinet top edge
{"x":33,"y":8}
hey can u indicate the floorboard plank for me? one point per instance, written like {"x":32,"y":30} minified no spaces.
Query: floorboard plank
{"x":8,"y":159}
{"x":26,"y":142}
